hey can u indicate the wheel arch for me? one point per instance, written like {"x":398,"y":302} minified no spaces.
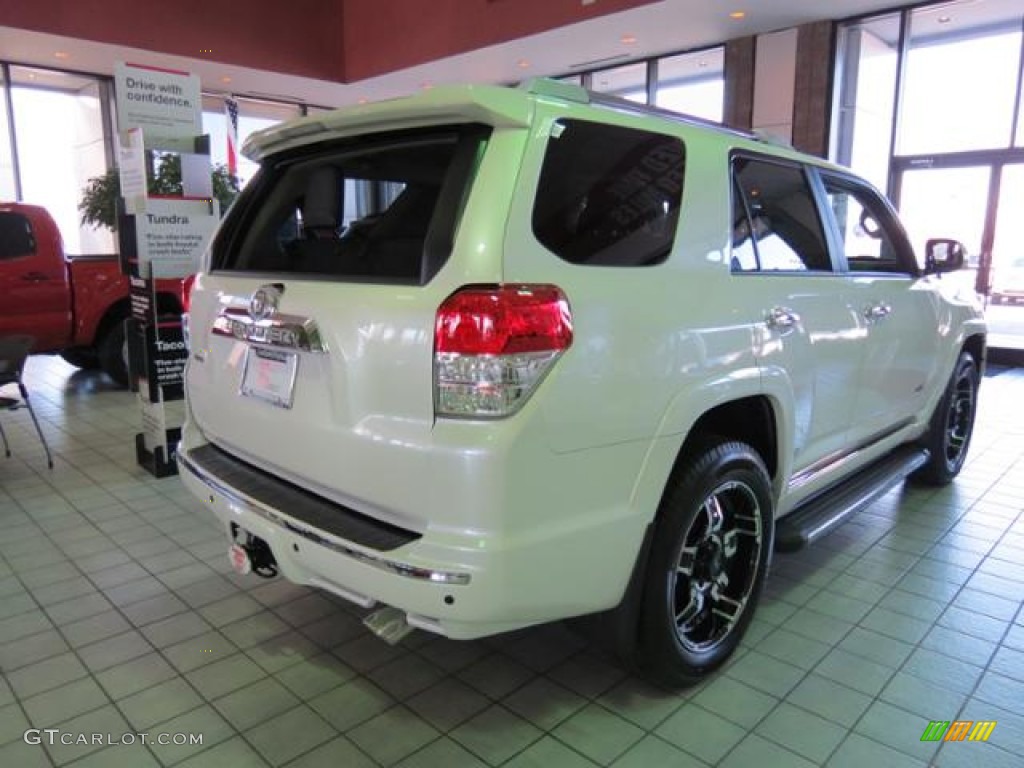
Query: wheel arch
{"x":736,"y":409}
{"x":121,"y":310}
{"x":976,"y":346}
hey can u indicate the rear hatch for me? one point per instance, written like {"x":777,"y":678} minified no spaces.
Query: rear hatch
{"x":312,"y":329}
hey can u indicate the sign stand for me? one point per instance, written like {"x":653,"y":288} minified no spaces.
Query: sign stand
{"x":160,"y":238}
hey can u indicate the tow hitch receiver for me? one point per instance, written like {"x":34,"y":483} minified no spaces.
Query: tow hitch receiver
{"x":249,"y":554}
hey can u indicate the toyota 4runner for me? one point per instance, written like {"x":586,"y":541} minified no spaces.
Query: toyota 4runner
{"x":492,"y":357}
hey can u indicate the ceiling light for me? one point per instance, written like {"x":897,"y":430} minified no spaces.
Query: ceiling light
{"x":628,"y":39}
{"x":944,"y":19}
{"x":702,"y":64}
{"x":62,"y":54}
{"x":737,"y":15}
{"x":426,"y":86}
{"x":363,"y":99}
{"x":523,"y":63}
{"x":225,"y":79}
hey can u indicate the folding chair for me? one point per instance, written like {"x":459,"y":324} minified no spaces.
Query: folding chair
{"x":13,"y":353}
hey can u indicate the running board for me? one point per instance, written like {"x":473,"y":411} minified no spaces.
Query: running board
{"x":821,"y":514}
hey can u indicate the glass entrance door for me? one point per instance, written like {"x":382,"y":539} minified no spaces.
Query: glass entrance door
{"x":980,"y":206}
{"x":948,"y":202}
{"x":1005,"y":312}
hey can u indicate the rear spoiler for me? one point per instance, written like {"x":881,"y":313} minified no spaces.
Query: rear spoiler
{"x":444,"y":105}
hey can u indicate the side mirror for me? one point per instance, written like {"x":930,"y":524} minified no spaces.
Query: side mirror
{"x":942,"y":254}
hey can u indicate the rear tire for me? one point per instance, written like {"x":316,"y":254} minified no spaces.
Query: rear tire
{"x":951,"y":426}
{"x":707,"y":565}
{"x":113,"y":354}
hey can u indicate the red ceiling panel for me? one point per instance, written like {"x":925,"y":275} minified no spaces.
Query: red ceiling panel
{"x":337,"y":40}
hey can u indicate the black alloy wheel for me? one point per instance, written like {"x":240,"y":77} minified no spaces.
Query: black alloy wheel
{"x":949,"y":432}
{"x":711,"y":548}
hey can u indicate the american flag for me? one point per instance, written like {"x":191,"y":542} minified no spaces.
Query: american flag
{"x":231,"y":108}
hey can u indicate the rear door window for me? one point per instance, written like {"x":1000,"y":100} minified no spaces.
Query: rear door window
{"x":776,"y":226}
{"x":377,"y":208}
{"x":609,"y":195}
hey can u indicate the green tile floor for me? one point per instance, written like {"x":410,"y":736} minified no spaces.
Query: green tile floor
{"x":119,"y":614}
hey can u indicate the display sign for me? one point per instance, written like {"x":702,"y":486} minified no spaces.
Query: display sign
{"x":160,"y":111}
{"x":172,"y":234}
{"x":132,"y":170}
{"x":162,"y":102}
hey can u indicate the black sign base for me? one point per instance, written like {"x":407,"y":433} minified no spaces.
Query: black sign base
{"x":156,"y":462}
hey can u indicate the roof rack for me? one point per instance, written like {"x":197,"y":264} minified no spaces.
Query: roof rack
{"x":545,"y":86}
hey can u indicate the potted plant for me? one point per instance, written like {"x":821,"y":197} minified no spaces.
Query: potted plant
{"x":98,"y":205}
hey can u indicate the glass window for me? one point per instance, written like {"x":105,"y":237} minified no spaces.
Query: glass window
{"x":8,"y":189}
{"x":628,"y":82}
{"x":744,"y":254}
{"x":58,"y":123}
{"x":869,"y":58}
{"x":866,"y":228}
{"x":945,"y":202}
{"x":781,"y":218}
{"x":1007,"y":250}
{"x":607,"y":195}
{"x":693,"y":83}
{"x":360,"y":210}
{"x":1020,"y":116}
{"x":961,"y":77}
{"x":252,"y":116}
{"x":16,"y":238}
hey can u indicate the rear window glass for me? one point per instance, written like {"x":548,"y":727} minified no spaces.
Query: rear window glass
{"x":609,"y":195}
{"x":15,"y":235}
{"x":381,"y":207}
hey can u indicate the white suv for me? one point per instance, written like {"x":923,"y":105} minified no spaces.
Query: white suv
{"x":492,"y":357}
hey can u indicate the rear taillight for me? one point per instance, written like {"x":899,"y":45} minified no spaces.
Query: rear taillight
{"x":494,"y":344}
{"x":186,"y":293}
{"x":186,"y":304}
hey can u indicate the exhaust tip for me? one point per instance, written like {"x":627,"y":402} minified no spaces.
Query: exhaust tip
{"x":388,"y":624}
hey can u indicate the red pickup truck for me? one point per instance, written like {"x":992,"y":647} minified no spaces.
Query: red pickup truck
{"x":73,"y":306}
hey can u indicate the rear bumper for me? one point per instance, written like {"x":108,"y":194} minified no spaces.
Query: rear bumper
{"x":461,"y":585}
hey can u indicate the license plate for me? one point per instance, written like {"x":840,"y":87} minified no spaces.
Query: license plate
{"x":270,"y":375}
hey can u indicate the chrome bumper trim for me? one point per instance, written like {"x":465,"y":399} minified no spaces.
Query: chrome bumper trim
{"x":454,"y":578}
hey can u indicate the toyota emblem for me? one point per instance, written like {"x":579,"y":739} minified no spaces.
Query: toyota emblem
{"x":263,"y":303}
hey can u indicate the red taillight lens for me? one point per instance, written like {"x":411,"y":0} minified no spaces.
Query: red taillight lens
{"x":504,"y":320}
{"x":186,"y":293}
{"x":493,"y":346}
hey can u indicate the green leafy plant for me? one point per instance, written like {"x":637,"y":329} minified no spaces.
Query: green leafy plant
{"x":98,"y":205}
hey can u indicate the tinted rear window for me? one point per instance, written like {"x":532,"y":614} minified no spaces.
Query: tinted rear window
{"x":382,"y":207}
{"x":15,"y":235}
{"x":609,"y":195}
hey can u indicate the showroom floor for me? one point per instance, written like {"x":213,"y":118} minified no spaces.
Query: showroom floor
{"x":119,"y":615}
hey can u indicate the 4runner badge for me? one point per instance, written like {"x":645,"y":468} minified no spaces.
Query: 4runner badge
{"x":260,"y":323}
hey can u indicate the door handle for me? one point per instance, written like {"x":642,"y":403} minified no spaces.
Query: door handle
{"x":877,"y":312}
{"x":781,"y":318}
{"x":35,"y":277}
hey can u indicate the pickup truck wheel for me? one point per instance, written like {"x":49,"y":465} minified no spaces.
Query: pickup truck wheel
{"x":81,"y":357}
{"x":952,"y":423}
{"x":707,"y":564}
{"x":113,"y":354}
